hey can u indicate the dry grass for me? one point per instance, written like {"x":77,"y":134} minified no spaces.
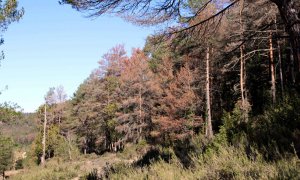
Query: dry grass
{"x":58,"y":168}
{"x":227,"y":163}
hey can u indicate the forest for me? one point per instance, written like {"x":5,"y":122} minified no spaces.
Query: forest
{"x":215,"y":94}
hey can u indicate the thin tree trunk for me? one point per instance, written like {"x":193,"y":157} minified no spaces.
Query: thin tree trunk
{"x":279,"y":60}
{"x":273,"y":86}
{"x":243,"y":69}
{"x":44,"y":136}
{"x":242,"y":77}
{"x":209,"y":131}
{"x":242,"y":57}
{"x":280,"y":67}
{"x":115,"y":147}
{"x":244,"y":107}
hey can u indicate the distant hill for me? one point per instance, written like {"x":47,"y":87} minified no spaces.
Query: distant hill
{"x":22,"y":130}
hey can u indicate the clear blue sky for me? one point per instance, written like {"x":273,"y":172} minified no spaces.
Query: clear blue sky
{"x":55,"y":45}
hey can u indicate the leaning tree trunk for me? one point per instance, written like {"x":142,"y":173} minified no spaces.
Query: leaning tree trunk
{"x":290,"y":13}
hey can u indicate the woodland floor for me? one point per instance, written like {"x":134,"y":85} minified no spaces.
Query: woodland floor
{"x":78,"y":167}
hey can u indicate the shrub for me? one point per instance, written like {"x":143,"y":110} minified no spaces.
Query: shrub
{"x":56,"y":145}
{"x":6,"y":156}
{"x":19,"y":164}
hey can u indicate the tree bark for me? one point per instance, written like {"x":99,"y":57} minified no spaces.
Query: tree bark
{"x":242,"y":77}
{"x":273,"y":86}
{"x":209,"y":131}
{"x":243,"y":69}
{"x":44,"y":136}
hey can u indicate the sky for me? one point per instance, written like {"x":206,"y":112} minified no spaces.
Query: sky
{"x":55,"y":45}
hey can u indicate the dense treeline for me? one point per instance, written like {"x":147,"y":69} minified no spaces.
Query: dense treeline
{"x":218,"y":92}
{"x":237,"y":75}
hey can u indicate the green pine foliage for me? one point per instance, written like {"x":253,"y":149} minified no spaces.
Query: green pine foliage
{"x":56,"y":145}
{"x":10,"y":112}
{"x":6,"y":153}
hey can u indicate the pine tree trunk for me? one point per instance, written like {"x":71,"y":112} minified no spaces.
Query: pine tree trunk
{"x":279,"y":60}
{"x":242,"y":77}
{"x":273,"y":86}
{"x":209,"y":131}
{"x":280,"y":67}
{"x":44,"y":136}
{"x":243,"y":69}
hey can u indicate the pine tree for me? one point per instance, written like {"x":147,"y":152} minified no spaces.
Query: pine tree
{"x":6,"y":154}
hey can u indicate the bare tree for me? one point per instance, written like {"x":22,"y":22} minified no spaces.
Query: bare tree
{"x":209,"y":131}
{"x":61,"y":95}
{"x":49,"y":99}
{"x":44,"y":136}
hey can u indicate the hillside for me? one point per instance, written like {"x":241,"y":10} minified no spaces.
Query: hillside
{"x":23,"y":131}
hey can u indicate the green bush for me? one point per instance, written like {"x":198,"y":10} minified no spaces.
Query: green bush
{"x":19,"y":164}
{"x":56,"y":145}
{"x":275,"y":133}
{"x":6,"y":156}
{"x":93,"y":175}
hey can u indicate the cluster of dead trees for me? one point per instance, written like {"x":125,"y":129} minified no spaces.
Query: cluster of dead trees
{"x":241,"y":54}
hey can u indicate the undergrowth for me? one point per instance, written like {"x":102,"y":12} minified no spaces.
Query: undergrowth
{"x":227,"y":162}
